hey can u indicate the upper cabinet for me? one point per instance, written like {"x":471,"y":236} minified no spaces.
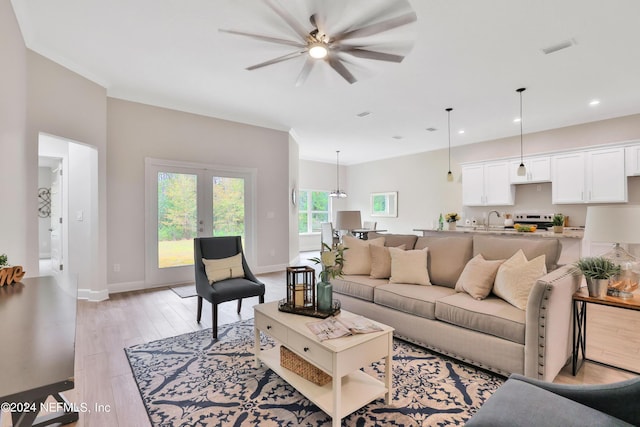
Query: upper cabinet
{"x":592,"y":176}
{"x":632,"y":155}
{"x":538,"y":170}
{"x":487,"y":184}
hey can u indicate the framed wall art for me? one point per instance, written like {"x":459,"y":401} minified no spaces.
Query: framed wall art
{"x":384,"y":204}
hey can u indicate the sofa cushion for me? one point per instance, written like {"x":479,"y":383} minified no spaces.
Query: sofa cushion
{"x":357,"y":259}
{"x":395,"y":240}
{"x":516,"y":276}
{"x":447,"y":257}
{"x":381,"y":261}
{"x":409,"y":267}
{"x":478,"y":276}
{"x":417,"y":300}
{"x":503,"y":247}
{"x":492,"y":315}
{"x":357,"y":286}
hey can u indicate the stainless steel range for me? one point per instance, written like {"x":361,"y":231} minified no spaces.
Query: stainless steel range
{"x":542,"y":220}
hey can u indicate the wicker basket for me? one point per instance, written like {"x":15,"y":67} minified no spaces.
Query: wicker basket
{"x":306,"y":370}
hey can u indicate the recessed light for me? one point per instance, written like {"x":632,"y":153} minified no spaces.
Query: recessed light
{"x":594,"y":102}
{"x":517,"y":120}
{"x":461,"y":131}
{"x":397,"y":137}
{"x":363,"y":114}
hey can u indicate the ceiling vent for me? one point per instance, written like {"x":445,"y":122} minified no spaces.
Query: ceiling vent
{"x":363,"y":114}
{"x":432,"y":129}
{"x":558,"y":46}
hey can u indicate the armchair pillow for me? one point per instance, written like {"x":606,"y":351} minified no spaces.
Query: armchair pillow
{"x":516,"y":276}
{"x":223,"y":268}
{"x":357,"y":259}
{"x":478,"y":276}
{"x":409,"y":267}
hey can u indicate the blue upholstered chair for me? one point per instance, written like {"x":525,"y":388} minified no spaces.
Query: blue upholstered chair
{"x":228,"y":289}
{"x":527,"y":402}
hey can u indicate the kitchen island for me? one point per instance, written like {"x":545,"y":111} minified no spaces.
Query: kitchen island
{"x":571,"y":238}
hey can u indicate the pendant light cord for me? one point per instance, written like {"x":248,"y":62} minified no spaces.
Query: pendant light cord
{"x":338,"y":171}
{"x":522,"y":89}
{"x":449,"y":131}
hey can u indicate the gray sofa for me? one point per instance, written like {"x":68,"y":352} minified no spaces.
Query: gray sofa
{"x":489,"y":333}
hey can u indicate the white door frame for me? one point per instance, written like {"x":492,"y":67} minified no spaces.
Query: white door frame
{"x":153,"y":275}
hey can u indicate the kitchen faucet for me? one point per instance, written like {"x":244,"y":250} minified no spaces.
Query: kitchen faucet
{"x":486,"y":227}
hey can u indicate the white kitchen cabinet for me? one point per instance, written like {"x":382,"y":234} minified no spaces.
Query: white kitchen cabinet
{"x":592,"y":176}
{"x":487,"y":184}
{"x":632,"y":158}
{"x":538,"y":170}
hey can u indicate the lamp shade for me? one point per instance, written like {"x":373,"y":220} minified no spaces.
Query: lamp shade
{"x":613,"y":224}
{"x":348,"y":220}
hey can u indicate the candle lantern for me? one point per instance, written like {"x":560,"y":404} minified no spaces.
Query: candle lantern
{"x":301,"y":287}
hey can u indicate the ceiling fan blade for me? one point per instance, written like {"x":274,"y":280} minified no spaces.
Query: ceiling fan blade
{"x":264,"y":38}
{"x":304,"y":73}
{"x":378,"y":27}
{"x":337,"y":65}
{"x":288,"y":18}
{"x":369,"y":54}
{"x":276,"y":60}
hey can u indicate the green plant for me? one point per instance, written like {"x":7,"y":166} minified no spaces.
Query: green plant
{"x":332,"y":261}
{"x":597,"y":267}
{"x":4,"y":261}
{"x":558,"y":219}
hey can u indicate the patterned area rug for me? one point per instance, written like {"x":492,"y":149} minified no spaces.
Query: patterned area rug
{"x":189,"y":380}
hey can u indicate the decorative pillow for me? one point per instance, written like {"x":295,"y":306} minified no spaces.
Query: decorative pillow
{"x":357,"y":259}
{"x":478,"y":276}
{"x":409,"y":267}
{"x":381,"y":261}
{"x":516,"y":276}
{"x":223,"y":268}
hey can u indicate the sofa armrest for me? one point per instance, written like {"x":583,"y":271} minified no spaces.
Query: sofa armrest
{"x":549,"y":323}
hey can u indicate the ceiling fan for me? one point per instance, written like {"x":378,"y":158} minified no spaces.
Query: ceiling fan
{"x":318,"y":45}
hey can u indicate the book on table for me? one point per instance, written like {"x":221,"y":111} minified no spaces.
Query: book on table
{"x":336,"y":327}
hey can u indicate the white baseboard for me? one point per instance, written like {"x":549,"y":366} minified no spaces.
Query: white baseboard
{"x":94,"y":296}
{"x":115,"y":288}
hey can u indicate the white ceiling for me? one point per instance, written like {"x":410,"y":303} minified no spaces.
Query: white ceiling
{"x":469,"y":55}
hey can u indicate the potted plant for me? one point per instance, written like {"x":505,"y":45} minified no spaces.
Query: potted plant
{"x":597,"y":272}
{"x":331,"y":261}
{"x":558,"y":223}
{"x":452,"y":218}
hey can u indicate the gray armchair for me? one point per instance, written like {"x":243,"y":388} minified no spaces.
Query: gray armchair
{"x":523,"y":402}
{"x":228,"y":289}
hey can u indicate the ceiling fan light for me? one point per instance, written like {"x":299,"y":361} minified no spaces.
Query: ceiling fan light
{"x":318,"y":51}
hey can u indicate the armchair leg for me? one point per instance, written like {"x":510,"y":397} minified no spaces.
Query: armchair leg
{"x":239,"y":305}
{"x":199,"y":313}
{"x":214,"y":320}
{"x":261,"y":299}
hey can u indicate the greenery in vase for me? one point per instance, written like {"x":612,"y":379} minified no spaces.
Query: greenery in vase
{"x":558,"y":219}
{"x":4,"y":261}
{"x":452,"y":217}
{"x":332,"y":261}
{"x":597,"y":267}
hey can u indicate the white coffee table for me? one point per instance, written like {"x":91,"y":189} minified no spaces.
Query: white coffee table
{"x":342,"y":358}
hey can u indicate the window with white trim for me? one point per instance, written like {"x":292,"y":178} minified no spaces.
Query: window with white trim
{"x":313,"y":209}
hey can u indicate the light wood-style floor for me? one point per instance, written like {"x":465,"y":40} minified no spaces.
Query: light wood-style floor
{"x":104,"y":378}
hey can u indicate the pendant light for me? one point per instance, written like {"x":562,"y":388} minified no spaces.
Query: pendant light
{"x":337,"y":192}
{"x":449,"y":174}
{"x":522,"y":170}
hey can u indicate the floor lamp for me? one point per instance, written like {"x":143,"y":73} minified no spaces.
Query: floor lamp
{"x":617,"y":224}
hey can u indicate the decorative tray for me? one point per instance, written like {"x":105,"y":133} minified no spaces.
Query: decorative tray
{"x":310,"y":311}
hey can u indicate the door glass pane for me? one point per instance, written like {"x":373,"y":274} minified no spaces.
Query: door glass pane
{"x":177,"y":218}
{"x":228,"y":206}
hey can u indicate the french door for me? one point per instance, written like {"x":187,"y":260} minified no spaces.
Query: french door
{"x":184,"y":201}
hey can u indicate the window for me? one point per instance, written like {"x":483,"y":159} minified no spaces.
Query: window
{"x":313,"y":209}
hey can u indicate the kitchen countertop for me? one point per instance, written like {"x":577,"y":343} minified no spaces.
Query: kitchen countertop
{"x":569,"y":232}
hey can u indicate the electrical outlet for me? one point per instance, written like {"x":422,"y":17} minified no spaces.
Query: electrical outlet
{"x":116,"y":268}
{"x":539,"y":188}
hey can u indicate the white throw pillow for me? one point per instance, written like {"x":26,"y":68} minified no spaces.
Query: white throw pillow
{"x":478,"y":276}
{"x":409,"y":267}
{"x":223,"y":268}
{"x":357,"y":259}
{"x":516,"y":276}
{"x":381,"y":261}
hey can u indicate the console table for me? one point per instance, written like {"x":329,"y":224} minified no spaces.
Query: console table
{"x":580,"y":300}
{"x":38,"y":320}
